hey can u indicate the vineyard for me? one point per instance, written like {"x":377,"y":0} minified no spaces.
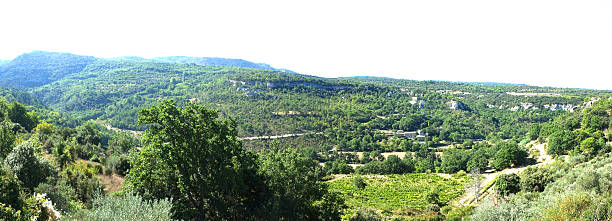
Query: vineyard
{"x":398,"y":192}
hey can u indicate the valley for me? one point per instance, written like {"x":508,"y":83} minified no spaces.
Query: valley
{"x":262,"y":142}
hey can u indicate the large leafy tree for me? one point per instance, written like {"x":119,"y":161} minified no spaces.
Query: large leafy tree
{"x":454,"y":160}
{"x":194,"y":157}
{"x":17,"y":113}
{"x":296,"y":187}
{"x":508,"y":155}
{"x":560,"y":142}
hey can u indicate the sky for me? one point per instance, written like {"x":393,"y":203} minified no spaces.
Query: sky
{"x":562,"y":43}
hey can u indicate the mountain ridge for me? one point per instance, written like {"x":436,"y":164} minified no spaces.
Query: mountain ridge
{"x":39,"y":68}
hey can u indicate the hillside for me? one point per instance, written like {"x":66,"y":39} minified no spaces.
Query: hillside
{"x":378,"y":141}
{"x":229,"y":62}
{"x":267,"y":102}
{"x":39,"y":68}
{"x":576,"y":186}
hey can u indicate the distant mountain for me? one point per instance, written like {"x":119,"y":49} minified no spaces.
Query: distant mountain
{"x":39,"y":68}
{"x":230,"y":62}
{"x":491,"y":83}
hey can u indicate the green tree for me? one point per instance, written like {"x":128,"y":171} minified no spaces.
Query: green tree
{"x":7,"y":140}
{"x":560,"y":142}
{"x":534,"y":131}
{"x":359,"y":182}
{"x":509,"y":154}
{"x":17,"y":113}
{"x":478,"y":161}
{"x":534,"y":179}
{"x":123,"y":143}
{"x":194,"y":157}
{"x":10,"y":194}
{"x":82,"y":178}
{"x":454,"y":160}
{"x":507,"y":184}
{"x":88,"y":134}
{"x":589,"y":146}
{"x":296,"y":185}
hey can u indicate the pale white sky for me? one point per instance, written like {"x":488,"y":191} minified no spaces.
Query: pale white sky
{"x":539,"y":42}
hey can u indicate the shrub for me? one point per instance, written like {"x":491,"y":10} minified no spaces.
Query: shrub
{"x":27,"y":166}
{"x":10,"y":194}
{"x":82,"y":177}
{"x":600,"y":209}
{"x":8,"y":213}
{"x":457,"y":212}
{"x":59,"y":192}
{"x":569,"y":208}
{"x":365,"y":214}
{"x":7,"y":140}
{"x":534,"y":179}
{"x":40,"y":208}
{"x":515,"y":209}
{"x":359,"y":182}
{"x":130,"y":207}
{"x":433,"y":197}
{"x":507,"y":184}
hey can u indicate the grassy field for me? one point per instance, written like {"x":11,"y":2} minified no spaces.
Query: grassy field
{"x":391,"y":193}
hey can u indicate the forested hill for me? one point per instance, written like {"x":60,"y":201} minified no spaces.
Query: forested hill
{"x":39,"y":68}
{"x":204,"y":61}
{"x":268,"y":102}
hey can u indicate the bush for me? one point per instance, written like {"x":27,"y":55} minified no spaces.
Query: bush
{"x":8,"y":213}
{"x":569,"y":208}
{"x":82,"y":177}
{"x":457,"y":212}
{"x":507,"y":184}
{"x":433,"y":197}
{"x":27,"y":166}
{"x":10,"y":194}
{"x":365,"y":214}
{"x":359,"y":182}
{"x":534,"y":179}
{"x":515,"y":209}
{"x":59,"y":192}
{"x":600,"y":209}
{"x":129,"y":207}
{"x":40,"y":208}
{"x":392,"y":165}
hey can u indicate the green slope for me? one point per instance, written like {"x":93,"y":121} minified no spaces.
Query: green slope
{"x":346,"y":112}
{"x":39,"y":68}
